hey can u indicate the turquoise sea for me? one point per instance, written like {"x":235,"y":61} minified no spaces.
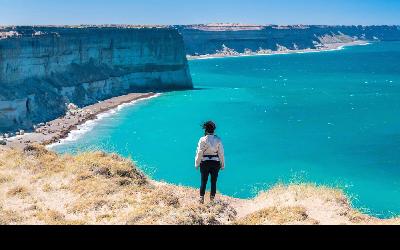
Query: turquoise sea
{"x":331,"y":118}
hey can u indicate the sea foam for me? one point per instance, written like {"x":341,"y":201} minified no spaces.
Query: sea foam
{"x":89,"y":125}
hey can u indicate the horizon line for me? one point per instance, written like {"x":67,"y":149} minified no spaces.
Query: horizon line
{"x":193,"y":24}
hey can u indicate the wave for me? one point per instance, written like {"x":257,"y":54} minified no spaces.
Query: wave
{"x":86,"y":127}
{"x":282,"y":53}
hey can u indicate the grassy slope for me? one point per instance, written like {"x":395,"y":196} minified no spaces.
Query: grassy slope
{"x":41,"y":187}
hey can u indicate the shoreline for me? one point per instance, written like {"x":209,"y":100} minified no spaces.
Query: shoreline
{"x":326,"y":48}
{"x":88,"y":125}
{"x":53,"y":132}
{"x":60,"y":129}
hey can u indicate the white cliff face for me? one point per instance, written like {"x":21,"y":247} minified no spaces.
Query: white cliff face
{"x":208,"y":39}
{"x":40,"y":73}
{"x":14,"y":112}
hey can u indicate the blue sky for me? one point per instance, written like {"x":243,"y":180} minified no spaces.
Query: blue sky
{"x":362,"y":12}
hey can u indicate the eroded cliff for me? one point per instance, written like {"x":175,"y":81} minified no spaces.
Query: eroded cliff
{"x":43,"y":68}
{"x":209,"y":39}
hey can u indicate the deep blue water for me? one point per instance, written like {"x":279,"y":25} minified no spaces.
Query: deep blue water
{"x":332,"y":118}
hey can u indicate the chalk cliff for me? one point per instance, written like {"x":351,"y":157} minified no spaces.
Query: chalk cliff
{"x":208,"y":39}
{"x":43,"y":68}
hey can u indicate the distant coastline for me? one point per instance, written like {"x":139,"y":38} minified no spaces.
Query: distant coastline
{"x":70,"y":127}
{"x":327,"y":47}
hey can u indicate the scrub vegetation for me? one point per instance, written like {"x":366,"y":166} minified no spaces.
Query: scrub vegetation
{"x":38,"y":186}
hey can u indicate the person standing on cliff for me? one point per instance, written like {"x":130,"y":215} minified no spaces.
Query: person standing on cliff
{"x":210,"y":159}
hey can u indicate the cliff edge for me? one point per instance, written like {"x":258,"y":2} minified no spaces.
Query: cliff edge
{"x":208,"y":39}
{"x":43,"y":68}
{"x":41,"y":187}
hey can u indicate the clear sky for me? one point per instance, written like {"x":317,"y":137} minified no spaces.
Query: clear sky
{"x":362,"y":12}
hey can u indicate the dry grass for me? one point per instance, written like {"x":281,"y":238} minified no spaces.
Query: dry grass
{"x":92,"y":188}
{"x":9,"y":217}
{"x":20,"y":191}
{"x":5,"y":178}
{"x":303,"y":204}
{"x":280,"y":216}
{"x":41,"y":187}
{"x":47,"y":188}
{"x":52,"y":217}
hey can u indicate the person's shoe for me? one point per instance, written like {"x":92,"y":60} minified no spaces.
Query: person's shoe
{"x":212,"y":199}
{"x":201,"y":200}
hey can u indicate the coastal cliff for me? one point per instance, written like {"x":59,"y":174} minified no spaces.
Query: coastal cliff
{"x":208,"y":39}
{"x":43,"y":68}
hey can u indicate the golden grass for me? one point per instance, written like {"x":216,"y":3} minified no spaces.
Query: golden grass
{"x":20,"y":191}
{"x":280,"y":216}
{"x":4,"y":178}
{"x":9,"y":217}
{"x":42,"y":187}
{"x":94,"y":188}
{"x":52,"y":217}
{"x":47,"y":188}
{"x":307,"y":190}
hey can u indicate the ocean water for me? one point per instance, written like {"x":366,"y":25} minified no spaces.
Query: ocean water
{"x":331,"y":118}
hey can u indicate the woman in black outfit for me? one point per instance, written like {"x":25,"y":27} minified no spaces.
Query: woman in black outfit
{"x":210,"y":158}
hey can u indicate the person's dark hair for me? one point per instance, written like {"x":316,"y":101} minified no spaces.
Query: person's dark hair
{"x":209,"y":127}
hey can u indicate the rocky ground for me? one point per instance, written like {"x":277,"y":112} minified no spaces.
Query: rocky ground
{"x":38,"y":186}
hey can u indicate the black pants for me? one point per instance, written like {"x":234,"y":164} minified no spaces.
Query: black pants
{"x":209,"y":168}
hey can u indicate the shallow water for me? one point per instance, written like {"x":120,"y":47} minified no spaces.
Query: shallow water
{"x":332,"y":118}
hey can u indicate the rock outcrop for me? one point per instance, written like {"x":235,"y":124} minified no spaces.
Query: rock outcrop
{"x":43,"y":68}
{"x":208,"y":39}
